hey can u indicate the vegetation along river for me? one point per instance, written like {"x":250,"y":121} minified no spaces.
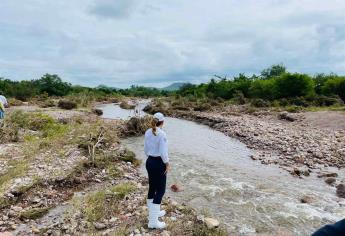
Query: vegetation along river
{"x":218,"y":176}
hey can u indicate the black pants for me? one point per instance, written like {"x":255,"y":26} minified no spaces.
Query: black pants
{"x":337,"y":229}
{"x":157,"y":179}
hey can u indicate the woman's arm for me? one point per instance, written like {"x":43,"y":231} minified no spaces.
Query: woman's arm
{"x":146,"y":147}
{"x":163,"y":150}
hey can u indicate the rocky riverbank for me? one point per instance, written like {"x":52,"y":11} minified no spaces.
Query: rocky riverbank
{"x":66,"y":173}
{"x":288,"y":140}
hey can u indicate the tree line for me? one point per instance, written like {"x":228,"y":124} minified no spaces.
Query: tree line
{"x":52,"y":85}
{"x":273,"y":84}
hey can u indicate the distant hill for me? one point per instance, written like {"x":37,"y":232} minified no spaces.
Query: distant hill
{"x":174,"y":86}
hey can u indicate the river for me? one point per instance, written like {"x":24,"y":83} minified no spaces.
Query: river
{"x":219,"y":177}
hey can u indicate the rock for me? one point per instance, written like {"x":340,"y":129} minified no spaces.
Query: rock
{"x":330,"y":181}
{"x":35,"y":230}
{"x":176,"y":188}
{"x":165,"y":233}
{"x":296,"y":172}
{"x":323,"y":175}
{"x":341,"y":190}
{"x":97,"y":111}
{"x":287,"y":116}
{"x":306,"y":199}
{"x":200,"y":218}
{"x":211,"y":223}
{"x":99,"y":226}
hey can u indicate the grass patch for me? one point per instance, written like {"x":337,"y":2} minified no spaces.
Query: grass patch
{"x":113,"y":172}
{"x":121,"y":190}
{"x":202,"y":230}
{"x":34,"y":213}
{"x":129,"y":156}
{"x":17,"y":168}
{"x":103,"y":203}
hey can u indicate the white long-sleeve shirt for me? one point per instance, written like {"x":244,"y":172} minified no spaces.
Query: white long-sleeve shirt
{"x":156,"y":145}
{"x":3,"y":100}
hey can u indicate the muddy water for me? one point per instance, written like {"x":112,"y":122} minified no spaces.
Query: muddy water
{"x":218,"y":176}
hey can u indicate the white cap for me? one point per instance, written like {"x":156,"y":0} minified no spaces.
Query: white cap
{"x":159,"y":116}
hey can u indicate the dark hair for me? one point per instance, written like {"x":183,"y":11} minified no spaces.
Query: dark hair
{"x":155,"y":124}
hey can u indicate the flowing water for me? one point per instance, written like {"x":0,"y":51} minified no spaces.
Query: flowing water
{"x":218,"y":176}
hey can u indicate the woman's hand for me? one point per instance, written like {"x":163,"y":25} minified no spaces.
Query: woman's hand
{"x":167,"y":168}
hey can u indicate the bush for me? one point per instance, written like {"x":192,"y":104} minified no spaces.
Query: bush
{"x":322,"y":100}
{"x":239,"y":98}
{"x":67,"y":105}
{"x":335,"y":86}
{"x":14,"y":102}
{"x":293,"y":85}
{"x":260,"y":103}
{"x":203,"y":107}
{"x":262,"y":89}
{"x":47,"y":103}
{"x":126,"y":105}
{"x":293,"y":109}
{"x":299,"y":101}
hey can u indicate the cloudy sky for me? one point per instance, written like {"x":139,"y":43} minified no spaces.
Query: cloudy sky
{"x":157,"y":42}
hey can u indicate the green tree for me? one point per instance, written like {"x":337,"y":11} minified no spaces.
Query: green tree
{"x":335,"y":86}
{"x":293,"y":85}
{"x":53,"y":85}
{"x":273,"y":71}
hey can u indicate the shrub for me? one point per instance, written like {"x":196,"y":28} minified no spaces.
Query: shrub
{"x":293,"y":109}
{"x":299,"y":101}
{"x":129,"y":156}
{"x":335,"y":86}
{"x":137,"y":125}
{"x":262,"y":89}
{"x":239,"y":98}
{"x":67,"y":104}
{"x":203,"y":107}
{"x":14,"y":102}
{"x":47,"y":103}
{"x":126,"y":105}
{"x":260,"y":103}
{"x":293,"y":85}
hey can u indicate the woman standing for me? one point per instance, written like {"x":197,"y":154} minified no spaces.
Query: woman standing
{"x":2,"y":110}
{"x":157,"y":166}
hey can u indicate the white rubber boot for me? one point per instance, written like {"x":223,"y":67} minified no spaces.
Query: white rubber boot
{"x":150,"y":202}
{"x":154,"y":223}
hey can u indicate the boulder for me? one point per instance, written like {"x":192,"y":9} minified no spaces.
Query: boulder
{"x":330,"y":181}
{"x":211,"y":223}
{"x":97,"y":111}
{"x":99,"y":226}
{"x":306,"y":199}
{"x":287,"y":116}
{"x":341,"y":190}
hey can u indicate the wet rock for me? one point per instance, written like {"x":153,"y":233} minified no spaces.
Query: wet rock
{"x":330,"y":181}
{"x":211,"y":223}
{"x":97,"y":111}
{"x":99,"y":225}
{"x":307,"y":199}
{"x":341,"y":190}
{"x":323,"y":175}
{"x":176,"y":188}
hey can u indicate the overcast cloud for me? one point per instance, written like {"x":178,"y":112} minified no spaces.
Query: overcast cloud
{"x":124,"y":42}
